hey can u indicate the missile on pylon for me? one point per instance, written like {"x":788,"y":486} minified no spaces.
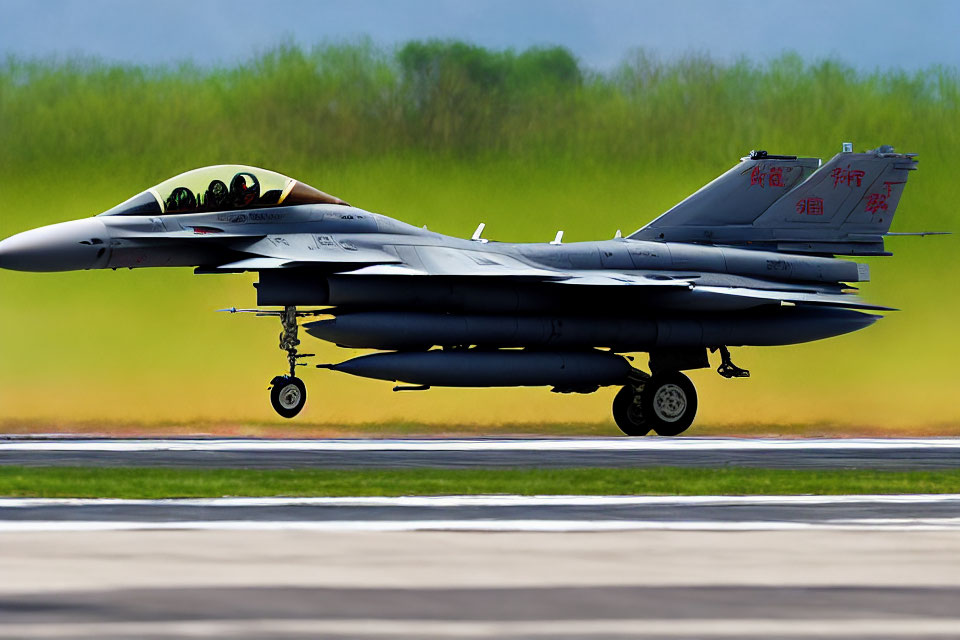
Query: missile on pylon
{"x":576,"y":370}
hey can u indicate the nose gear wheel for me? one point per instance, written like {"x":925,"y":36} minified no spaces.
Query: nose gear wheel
{"x":288,"y":395}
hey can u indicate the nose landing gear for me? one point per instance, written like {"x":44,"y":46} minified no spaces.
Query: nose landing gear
{"x":288,"y":394}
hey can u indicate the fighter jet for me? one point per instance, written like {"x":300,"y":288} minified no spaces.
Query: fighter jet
{"x":750,"y":259}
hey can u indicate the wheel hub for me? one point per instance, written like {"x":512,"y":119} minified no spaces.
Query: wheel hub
{"x":290,"y":396}
{"x":669,"y":403}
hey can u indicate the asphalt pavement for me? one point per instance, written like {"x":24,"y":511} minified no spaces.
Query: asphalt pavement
{"x":881,"y":453}
{"x":491,"y":513}
{"x":566,"y":612}
{"x":483,"y":566}
{"x":428,"y":584}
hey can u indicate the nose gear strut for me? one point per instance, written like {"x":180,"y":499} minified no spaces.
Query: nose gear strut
{"x":289,"y":340}
{"x":288,"y":393}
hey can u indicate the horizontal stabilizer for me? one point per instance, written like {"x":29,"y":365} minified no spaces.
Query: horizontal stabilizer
{"x":795,"y":297}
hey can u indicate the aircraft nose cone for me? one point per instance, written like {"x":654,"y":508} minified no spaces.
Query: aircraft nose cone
{"x":68,"y":246}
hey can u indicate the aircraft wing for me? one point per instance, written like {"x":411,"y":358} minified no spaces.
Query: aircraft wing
{"x":447,"y":261}
{"x":676,"y":291}
{"x":283,"y":251}
{"x":444,"y":261}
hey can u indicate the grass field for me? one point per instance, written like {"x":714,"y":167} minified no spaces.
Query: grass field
{"x":449,"y":135}
{"x":451,"y":429}
{"x":153,"y":483}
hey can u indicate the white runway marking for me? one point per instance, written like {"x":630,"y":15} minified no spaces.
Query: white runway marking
{"x":704,"y":628}
{"x":591,"y":444}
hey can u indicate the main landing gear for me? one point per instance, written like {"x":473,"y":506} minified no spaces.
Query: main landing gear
{"x":665,"y":402}
{"x":288,"y":394}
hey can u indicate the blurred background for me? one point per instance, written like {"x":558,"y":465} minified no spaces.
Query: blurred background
{"x":532,"y":117}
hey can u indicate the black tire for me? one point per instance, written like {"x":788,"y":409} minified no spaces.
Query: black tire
{"x":669,"y":403}
{"x":627,"y":413}
{"x":288,"y":395}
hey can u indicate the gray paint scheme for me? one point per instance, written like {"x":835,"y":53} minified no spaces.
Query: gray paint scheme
{"x":749,"y":259}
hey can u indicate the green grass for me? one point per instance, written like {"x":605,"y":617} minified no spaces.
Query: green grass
{"x":152,"y":483}
{"x":297,"y":108}
{"x":306,"y":428}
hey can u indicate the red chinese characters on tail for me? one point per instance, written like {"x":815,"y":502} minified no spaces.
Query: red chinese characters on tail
{"x":877,"y":202}
{"x":773,"y":178}
{"x":776,"y":177}
{"x":810,"y":206}
{"x":846,"y":176}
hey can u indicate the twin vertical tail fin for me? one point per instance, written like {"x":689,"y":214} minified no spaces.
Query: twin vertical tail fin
{"x":843,"y":208}
{"x":735,"y":198}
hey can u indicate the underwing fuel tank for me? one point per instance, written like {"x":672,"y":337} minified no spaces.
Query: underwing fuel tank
{"x":398,"y":330}
{"x":505,"y":368}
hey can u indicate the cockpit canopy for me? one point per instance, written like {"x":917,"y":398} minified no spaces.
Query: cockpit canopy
{"x":224,"y":187}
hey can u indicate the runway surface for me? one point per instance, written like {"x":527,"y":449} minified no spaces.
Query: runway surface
{"x":494,"y":613}
{"x":301,"y":584}
{"x":489,"y":513}
{"x":483,"y":566}
{"x":888,"y":454}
